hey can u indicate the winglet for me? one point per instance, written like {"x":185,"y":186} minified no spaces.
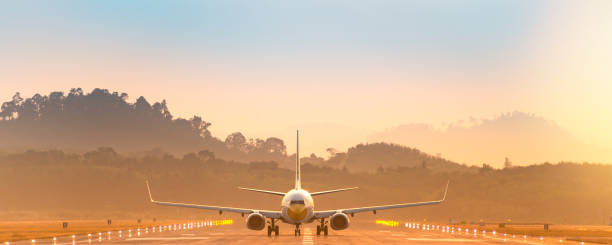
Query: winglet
{"x":149,"y":189}
{"x":445,"y":191}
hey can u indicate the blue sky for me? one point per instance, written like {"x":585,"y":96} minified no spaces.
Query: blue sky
{"x":339,"y":70}
{"x":468,"y":33}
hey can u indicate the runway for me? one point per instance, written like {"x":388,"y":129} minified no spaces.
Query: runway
{"x":238,"y":234}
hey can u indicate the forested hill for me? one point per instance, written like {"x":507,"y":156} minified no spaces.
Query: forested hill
{"x":104,"y":184}
{"x":79,"y":122}
{"x":381,"y":156}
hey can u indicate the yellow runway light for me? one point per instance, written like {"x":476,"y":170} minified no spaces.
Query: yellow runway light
{"x":391,"y":223}
{"x":222,"y":222}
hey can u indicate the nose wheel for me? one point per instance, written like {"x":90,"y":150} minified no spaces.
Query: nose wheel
{"x":298,"y":231}
{"x":272,"y":228}
{"x":322,"y":228}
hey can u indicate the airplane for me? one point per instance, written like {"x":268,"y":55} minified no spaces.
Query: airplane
{"x":297,"y":208}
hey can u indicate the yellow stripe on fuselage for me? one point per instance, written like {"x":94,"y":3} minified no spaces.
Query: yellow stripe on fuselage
{"x":297,"y":212}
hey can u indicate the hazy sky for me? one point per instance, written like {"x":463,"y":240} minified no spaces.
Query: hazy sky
{"x":338,"y":70}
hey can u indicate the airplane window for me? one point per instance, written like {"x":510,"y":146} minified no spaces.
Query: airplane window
{"x":297,"y":202}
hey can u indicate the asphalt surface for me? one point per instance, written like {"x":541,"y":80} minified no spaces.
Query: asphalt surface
{"x":238,"y":234}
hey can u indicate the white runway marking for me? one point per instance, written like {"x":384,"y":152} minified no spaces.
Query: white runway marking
{"x":166,"y":238}
{"x":442,"y":240}
{"x":188,"y":234}
{"x":308,"y":238}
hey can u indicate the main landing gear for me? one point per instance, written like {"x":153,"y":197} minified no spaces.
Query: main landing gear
{"x":323,"y":227}
{"x":298,"y":231}
{"x":272,"y":227}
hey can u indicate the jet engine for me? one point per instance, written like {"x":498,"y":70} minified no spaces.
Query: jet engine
{"x":339,"y":221}
{"x":256,"y":221}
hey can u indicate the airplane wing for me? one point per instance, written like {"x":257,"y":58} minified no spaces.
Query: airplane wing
{"x":263,"y":191}
{"x":265,"y":213}
{"x":332,"y":191}
{"x":328,"y":213}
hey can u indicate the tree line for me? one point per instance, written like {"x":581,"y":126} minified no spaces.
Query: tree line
{"x":79,"y":121}
{"x":102,"y":183}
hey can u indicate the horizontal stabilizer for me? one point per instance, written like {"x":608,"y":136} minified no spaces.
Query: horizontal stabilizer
{"x":332,"y":191}
{"x":263,"y":191}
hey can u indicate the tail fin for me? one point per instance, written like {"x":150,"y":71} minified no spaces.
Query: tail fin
{"x":298,"y":182}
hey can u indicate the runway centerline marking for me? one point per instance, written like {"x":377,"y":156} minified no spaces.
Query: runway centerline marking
{"x":166,"y":238}
{"x":308,"y":238}
{"x":442,"y":240}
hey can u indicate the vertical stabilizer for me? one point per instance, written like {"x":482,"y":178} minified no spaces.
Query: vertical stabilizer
{"x":298,"y":182}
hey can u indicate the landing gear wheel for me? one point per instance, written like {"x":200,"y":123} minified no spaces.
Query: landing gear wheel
{"x":325,"y":230}
{"x":295,"y":233}
{"x":276,"y":230}
{"x":269,"y":231}
{"x":318,"y":230}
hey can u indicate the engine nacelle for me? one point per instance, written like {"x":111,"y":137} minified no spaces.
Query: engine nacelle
{"x":339,"y":221}
{"x":256,"y":221}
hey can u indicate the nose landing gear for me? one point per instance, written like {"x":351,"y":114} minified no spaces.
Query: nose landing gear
{"x":298,"y":231}
{"x":272,"y":227}
{"x":323,"y":227}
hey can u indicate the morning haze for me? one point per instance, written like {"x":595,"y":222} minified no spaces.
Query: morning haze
{"x":341,"y":73}
{"x":68,"y":151}
{"x":480,"y":112}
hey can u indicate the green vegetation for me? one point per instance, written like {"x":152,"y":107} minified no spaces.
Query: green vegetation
{"x":80,"y":122}
{"x":186,"y":164}
{"x":105,"y":184}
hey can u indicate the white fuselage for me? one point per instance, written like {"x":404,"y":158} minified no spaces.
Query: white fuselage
{"x":297,"y":207}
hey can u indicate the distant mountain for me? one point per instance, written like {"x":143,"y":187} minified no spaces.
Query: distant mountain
{"x":383,"y":156}
{"x":523,"y":138}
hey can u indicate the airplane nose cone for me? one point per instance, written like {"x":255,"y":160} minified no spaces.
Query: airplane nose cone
{"x":297,"y":211}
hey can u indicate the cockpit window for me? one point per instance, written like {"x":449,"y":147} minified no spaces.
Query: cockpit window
{"x":297,"y":202}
